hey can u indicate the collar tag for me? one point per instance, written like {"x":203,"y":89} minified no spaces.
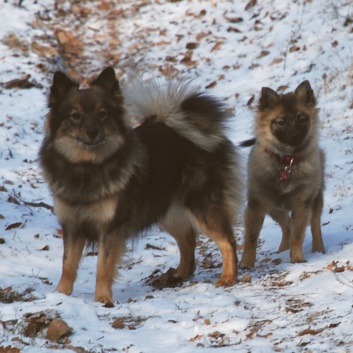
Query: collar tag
{"x":283,"y":174}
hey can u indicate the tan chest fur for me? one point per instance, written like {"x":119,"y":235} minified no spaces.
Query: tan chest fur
{"x":100,"y":212}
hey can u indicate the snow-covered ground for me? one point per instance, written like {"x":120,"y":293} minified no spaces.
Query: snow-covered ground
{"x":231,"y":49}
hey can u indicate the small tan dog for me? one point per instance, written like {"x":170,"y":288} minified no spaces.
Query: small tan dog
{"x":285,"y":172}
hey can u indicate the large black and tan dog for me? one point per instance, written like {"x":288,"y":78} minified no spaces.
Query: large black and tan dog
{"x":111,"y":182}
{"x":285,"y":172}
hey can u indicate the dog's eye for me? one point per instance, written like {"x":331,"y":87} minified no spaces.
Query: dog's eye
{"x":280,"y":122}
{"x":102,"y":114}
{"x":75,"y":116}
{"x":302,"y":119}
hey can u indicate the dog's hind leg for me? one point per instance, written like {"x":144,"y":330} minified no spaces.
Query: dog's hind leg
{"x":282,"y":218}
{"x":73,"y":248}
{"x":219,"y":228}
{"x":317,"y":244}
{"x":110,"y":252}
{"x":178,"y":224}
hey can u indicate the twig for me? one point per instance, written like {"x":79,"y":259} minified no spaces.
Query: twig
{"x":39,"y":204}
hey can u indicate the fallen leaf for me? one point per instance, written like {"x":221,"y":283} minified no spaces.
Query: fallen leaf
{"x":276,"y":61}
{"x":201,"y":36}
{"x":267,"y":335}
{"x":250,"y":4}
{"x":232,"y":19}
{"x":118,"y":324}
{"x":304,"y":275}
{"x":339,"y":269}
{"x":294,"y":48}
{"x":35,"y":323}
{"x":9,"y":349}
{"x":191,"y":45}
{"x":58,"y":331}
{"x":282,"y":88}
{"x":197,"y":337}
{"x":211,"y":85}
{"x":233,"y":29}
{"x":207,"y":322}
{"x":217,"y":46}
{"x":14,"y":225}
{"x":22,"y":83}
{"x":309,"y":331}
{"x":43,"y":50}
{"x":263,"y":53}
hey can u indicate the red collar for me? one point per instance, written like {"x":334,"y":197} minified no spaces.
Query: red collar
{"x":289,"y":159}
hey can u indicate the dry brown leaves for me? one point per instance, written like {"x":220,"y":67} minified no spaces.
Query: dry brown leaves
{"x":257,"y":326}
{"x":58,"y":331}
{"x":314,"y":332}
{"x":8,"y":295}
{"x":217,"y":339}
{"x":336,"y":266}
{"x":164,"y":280}
{"x":21,"y":83}
{"x":295,"y":306}
{"x":9,"y":349}
{"x":127,"y":322}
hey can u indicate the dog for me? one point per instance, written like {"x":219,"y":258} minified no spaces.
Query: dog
{"x":112,"y":182}
{"x":285,"y":172}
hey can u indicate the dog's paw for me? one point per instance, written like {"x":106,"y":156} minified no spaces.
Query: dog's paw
{"x":297,"y":259}
{"x":225,"y":282}
{"x":64,"y":288}
{"x":108,"y":302}
{"x":246,"y":265}
{"x":296,"y":255}
{"x":319,"y":248}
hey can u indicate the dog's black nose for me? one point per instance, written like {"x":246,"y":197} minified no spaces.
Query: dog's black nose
{"x":92,"y":133}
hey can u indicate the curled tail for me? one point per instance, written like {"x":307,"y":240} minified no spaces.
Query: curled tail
{"x":196,"y":116}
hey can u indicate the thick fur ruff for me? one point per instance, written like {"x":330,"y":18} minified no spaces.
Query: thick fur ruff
{"x":111,"y":182}
{"x":285,"y":172}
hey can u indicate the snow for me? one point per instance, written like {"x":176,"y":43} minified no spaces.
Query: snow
{"x":277,"y":44}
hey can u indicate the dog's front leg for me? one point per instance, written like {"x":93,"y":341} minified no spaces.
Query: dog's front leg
{"x":73,"y":248}
{"x":254,"y":219}
{"x":299,"y":220}
{"x":111,"y":249}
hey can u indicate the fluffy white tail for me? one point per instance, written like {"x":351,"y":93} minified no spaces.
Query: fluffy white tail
{"x":196,"y":116}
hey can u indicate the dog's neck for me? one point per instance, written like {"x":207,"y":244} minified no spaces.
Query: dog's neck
{"x":288,"y":159}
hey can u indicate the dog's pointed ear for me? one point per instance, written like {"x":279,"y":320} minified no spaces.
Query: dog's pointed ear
{"x":268,"y":99}
{"x":305,"y":93}
{"x":61,"y":85}
{"x":107,"y":80}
